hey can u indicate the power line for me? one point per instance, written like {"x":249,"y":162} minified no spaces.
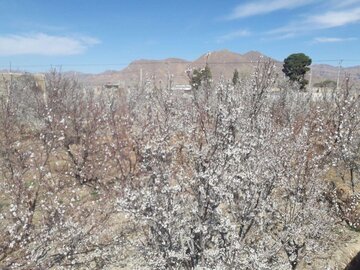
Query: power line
{"x":125,"y":68}
{"x":151,"y":62}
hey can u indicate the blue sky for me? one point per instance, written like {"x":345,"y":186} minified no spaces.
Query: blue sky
{"x":94,"y":35}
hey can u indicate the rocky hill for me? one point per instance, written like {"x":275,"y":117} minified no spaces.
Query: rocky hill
{"x":222,"y":63}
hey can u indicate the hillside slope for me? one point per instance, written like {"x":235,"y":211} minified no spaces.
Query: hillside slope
{"x":222,"y":64}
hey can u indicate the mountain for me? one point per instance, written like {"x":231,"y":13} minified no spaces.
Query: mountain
{"x":254,"y":56}
{"x":157,"y":70}
{"x":222,"y":64}
{"x":322,"y":72}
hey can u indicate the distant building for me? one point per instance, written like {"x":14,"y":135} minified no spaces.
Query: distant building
{"x":112,"y":86}
{"x":181,"y":87}
{"x":116,"y":89}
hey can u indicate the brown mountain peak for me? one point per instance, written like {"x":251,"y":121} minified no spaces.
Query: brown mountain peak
{"x":222,"y":56}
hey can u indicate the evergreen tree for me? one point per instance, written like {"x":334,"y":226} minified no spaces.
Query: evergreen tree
{"x":200,"y":76}
{"x":295,"y":67}
{"x":235,"y":78}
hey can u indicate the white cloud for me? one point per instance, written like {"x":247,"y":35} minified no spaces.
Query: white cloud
{"x":263,"y":7}
{"x":332,"y":39}
{"x":335,"y":18}
{"x":43,"y":44}
{"x":233,"y":35}
{"x":344,"y":3}
{"x":326,"y":20}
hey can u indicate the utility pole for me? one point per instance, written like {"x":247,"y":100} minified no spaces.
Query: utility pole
{"x":310,"y":80}
{"x":168,"y":76}
{"x":9,"y":87}
{"x":338,"y":76}
{"x":141,"y":75}
{"x":207,"y":58}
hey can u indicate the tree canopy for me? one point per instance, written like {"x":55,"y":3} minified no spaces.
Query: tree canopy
{"x":199,"y":76}
{"x":295,"y":67}
{"x":235,"y":78}
{"x":326,"y":84}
